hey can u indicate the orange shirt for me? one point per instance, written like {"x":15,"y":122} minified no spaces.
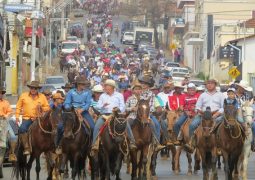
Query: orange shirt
{"x":28,"y":105}
{"x":5,"y":108}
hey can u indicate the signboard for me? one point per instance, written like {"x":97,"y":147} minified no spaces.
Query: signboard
{"x":234,"y":72}
{"x":16,"y":8}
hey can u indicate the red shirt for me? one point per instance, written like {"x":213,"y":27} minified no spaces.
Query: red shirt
{"x":176,"y":101}
{"x":190,"y":103}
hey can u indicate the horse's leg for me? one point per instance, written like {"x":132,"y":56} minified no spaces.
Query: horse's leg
{"x":66,"y":175}
{"x":214,"y":168}
{"x":75,"y":166}
{"x":197,"y":161}
{"x":63,"y":163}
{"x":107,"y":161}
{"x":133,"y":156}
{"x":177,"y":160}
{"x":173,"y":150}
{"x":226,"y":166}
{"x":144,"y":161}
{"x":153,"y":163}
{"x":219,"y":162}
{"x":29,"y":165}
{"x":118,"y":165}
{"x":189,"y":162}
{"x":37,"y":167}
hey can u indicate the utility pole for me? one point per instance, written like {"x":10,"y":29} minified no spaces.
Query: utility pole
{"x":62,"y":37}
{"x":20,"y":60}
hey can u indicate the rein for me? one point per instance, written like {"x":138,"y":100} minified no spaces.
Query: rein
{"x":78,"y":130}
{"x":228,"y":127}
{"x":114,"y":133}
{"x":40,"y":125}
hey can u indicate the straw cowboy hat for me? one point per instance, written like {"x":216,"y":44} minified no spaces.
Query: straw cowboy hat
{"x":34,"y":84}
{"x":244,"y":84}
{"x":168,"y":84}
{"x":98,"y":89}
{"x":67,"y":85}
{"x":110,"y":82}
{"x":178,"y":85}
{"x":82,"y":47}
{"x":146,"y":80}
{"x":57,"y":96}
{"x":137,"y":85}
{"x":2,"y":90}
{"x":47,"y":92}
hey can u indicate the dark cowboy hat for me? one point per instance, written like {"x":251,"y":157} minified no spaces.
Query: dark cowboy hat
{"x":67,"y":85}
{"x":34,"y":84}
{"x":82,"y":80}
{"x":2,"y":90}
{"x":146,"y":80}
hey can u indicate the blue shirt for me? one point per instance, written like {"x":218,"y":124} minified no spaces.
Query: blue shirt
{"x":78,"y":99}
{"x":115,"y":100}
{"x":97,"y":79}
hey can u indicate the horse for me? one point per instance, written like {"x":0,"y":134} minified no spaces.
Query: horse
{"x":143,"y":138}
{"x":186,"y":138}
{"x":247,"y":111}
{"x":113,"y":145}
{"x":206,"y":144}
{"x":75,"y":144}
{"x":230,"y":138}
{"x":71,"y":75}
{"x":42,"y":135}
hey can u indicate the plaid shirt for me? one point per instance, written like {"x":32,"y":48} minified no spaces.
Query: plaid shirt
{"x":149,"y":95}
{"x":130,"y":104}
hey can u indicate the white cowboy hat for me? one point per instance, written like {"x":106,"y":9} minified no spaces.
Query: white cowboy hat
{"x":110,"y":82}
{"x":82,"y":47}
{"x":178,"y":84}
{"x":244,"y":85}
{"x":98,"y":88}
{"x":191,"y":85}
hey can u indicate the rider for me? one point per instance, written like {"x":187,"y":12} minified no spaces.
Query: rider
{"x":27,"y":105}
{"x":80,"y":98}
{"x":109,"y":100}
{"x":5,"y":112}
{"x":210,"y":98}
{"x":167,"y":91}
{"x":131,"y":109}
{"x":67,"y":87}
{"x":190,"y":101}
{"x":148,"y":82}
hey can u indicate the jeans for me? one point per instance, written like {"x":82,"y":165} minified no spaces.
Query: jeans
{"x":11,"y":135}
{"x":253,"y":131}
{"x":179,"y":123}
{"x":25,"y":126}
{"x":129,"y":130}
{"x":156,"y":127}
{"x":89,"y":119}
{"x":99,"y":124}
{"x":196,"y":122}
{"x":60,"y":132}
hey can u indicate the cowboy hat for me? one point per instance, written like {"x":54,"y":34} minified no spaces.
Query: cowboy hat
{"x":34,"y":84}
{"x":47,"y":92}
{"x":146,"y":80}
{"x":191,"y":85}
{"x":2,"y":90}
{"x":110,"y":82}
{"x":98,"y":88}
{"x":136,"y":85}
{"x":122,"y":76}
{"x":211,"y":81}
{"x":67,"y":85}
{"x":82,"y":80}
{"x":57,"y":96}
{"x":82,"y":47}
{"x":178,"y":85}
{"x":244,"y":84}
{"x":231,"y":89}
{"x":168,"y":84}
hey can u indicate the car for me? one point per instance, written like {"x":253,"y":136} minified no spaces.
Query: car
{"x":128,"y":37}
{"x":143,"y":45}
{"x":68,"y":47}
{"x":178,"y":73}
{"x":73,"y":38}
{"x":47,"y":86}
{"x":197,"y":82}
{"x":78,"y":12}
{"x":170,"y":65}
{"x":56,"y":81}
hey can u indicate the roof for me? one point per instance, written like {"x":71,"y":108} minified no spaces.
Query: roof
{"x":241,"y":39}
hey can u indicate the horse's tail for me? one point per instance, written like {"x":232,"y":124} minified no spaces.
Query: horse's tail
{"x":19,"y":168}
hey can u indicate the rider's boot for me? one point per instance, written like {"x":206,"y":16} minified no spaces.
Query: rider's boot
{"x":158,"y":145}
{"x":24,"y":140}
{"x":190,"y":147}
{"x":95,"y":148}
{"x":12,"y":156}
{"x":179,"y":140}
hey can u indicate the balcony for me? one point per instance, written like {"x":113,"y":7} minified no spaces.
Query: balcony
{"x":181,"y":3}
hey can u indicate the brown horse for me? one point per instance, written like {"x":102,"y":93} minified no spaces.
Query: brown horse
{"x":113,"y":145}
{"x":206,"y":144}
{"x":42,"y":139}
{"x":230,"y":138}
{"x":143,"y":137}
{"x":75,"y":144}
{"x":186,"y":138}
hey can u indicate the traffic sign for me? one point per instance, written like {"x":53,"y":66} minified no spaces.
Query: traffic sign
{"x":16,"y":8}
{"x":234,"y":72}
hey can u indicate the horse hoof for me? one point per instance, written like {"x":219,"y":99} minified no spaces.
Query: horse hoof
{"x":134,"y":178}
{"x":154,"y":178}
{"x":176,"y":172}
{"x":195,"y":172}
{"x":189,"y":173}
{"x":66,"y":175}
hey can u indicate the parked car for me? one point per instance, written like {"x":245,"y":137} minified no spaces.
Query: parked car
{"x":47,"y":86}
{"x":68,"y":47}
{"x":170,"y":65}
{"x":56,"y":81}
{"x":73,"y":38}
{"x":178,"y":73}
{"x":128,"y":37}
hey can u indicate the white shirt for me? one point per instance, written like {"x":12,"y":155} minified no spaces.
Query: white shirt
{"x":164,"y":97}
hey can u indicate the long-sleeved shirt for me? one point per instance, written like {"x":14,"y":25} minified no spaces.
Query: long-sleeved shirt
{"x":164,"y":97}
{"x":28,"y":105}
{"x":5,"y":108}
{"x":114,"y":100}
{"x":213,"y":100}
{"x":78,"y":99}
{"x":148,"y":94}
{"x":130,"y":104}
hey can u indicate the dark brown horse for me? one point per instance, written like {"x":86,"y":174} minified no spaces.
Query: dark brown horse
{"x":75,"y":144}
{"x":113,"y":145}
{"x":230,"y":138}
{"x":42,"y":139}
{"x":143,"y":137}
{"x":206,"y":144}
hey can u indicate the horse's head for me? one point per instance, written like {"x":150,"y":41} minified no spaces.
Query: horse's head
{"x":247,"y":111}
{"x":69,"y":119}
{"x":143,"y":111}
{"x":230,"y":112}
{"x":207,"y":122}
{"x":171,"y":119}
{"x":55,"y":117}
{"x":118,"y":125}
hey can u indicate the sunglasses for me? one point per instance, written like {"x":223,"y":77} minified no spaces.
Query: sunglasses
{"x":34,"y":88}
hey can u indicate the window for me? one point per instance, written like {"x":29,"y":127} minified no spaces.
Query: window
{"x":55,"y":81}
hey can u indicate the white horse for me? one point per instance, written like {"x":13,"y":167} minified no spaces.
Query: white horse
{"x":247,"y":111}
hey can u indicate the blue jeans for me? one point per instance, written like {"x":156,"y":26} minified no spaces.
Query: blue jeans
{"x":129,"y":130}
{"x":155,"y":127}
{"x":86,"y":115}
{"x":179,"y":123}
{"x":25,"y":126}
{"x":253,"y":131}
{"x":11,"y":135}
{"x":196,"y":122}
{"x":60,"y":132}
{"x":99,"y":124}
